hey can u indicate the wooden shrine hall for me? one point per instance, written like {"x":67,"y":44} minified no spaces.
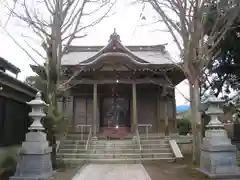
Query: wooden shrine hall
{"x":118,"y":89}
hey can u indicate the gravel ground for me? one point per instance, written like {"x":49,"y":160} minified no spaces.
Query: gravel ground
{"x":183,"y":170}
{"x":66,"y":174}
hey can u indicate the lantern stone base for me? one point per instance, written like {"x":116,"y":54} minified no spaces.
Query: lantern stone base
{"x":35,"y":159}
{"x":218,"y":157}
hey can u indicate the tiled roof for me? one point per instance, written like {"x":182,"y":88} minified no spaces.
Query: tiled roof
{"x":17,"y":85}
{"x":8,"y":66}
{"x":142,"y":54}
{"x":154,"y":56}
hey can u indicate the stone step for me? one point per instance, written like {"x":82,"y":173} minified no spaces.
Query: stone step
{"x":160,"y":141}
{"x":65,"y":150}
{"x":72,"y":146}
{"x":114,"y":161}
{"x":155,"y":146}
{"x":70,"y":132}
{"x":99,"y":155}
{"x":130,"y":146}
{"x":113,"y":155}
{"x":99,"y":161}
{"x":157,"y":155}
{"x":113,"y":150}
{"x":74,"y":137}
{"x":115,"y":142}
{"x":68,"y":141}
{"x":156,"y":150}
{"x":81,"y":148}
{"x":103,"y":146}
{"x":126,"y":150}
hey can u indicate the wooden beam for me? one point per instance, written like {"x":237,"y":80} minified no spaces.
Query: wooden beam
{"x":17,"y":85}
{"x":13,"y":97}
{"x":122,"y":81}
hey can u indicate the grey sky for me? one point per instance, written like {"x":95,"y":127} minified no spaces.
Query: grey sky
{"x":125,"y":20}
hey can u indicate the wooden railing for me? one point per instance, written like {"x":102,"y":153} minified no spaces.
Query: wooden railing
{"x":61,"y":139}
{"x":138,"y":140}
{"x":89,"y":138}
{"x":146,"y":128}
{"x":83,"y":127}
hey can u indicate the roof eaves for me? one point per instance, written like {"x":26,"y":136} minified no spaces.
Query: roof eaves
{"x":9,"y":66}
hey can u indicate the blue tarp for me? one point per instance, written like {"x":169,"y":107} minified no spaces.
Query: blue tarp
{"x":182,"y":108}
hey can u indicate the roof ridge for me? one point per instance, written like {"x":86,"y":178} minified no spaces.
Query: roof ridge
{"x":83,"y":48}
{"x":9,"y":66}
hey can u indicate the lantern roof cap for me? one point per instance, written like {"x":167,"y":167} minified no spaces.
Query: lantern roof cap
{"x":212,"y":99}
{"x":37,"y":101}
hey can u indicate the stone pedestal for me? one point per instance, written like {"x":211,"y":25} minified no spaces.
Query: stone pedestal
{"x":35,"y":154}
{"x":218,"y":158}
{"x":35,"y":158}
{"x":236,"y":136}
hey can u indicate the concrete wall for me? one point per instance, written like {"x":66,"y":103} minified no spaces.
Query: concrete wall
{"x":184,"y":143}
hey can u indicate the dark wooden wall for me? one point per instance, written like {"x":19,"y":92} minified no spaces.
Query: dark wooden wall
{"x":14,"y":121}
{"x":83,"y":110}
{"x":79,"y":107}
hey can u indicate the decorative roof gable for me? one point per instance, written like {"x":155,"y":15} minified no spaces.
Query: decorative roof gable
{"x":114,"y":46}
{"x":81,"y":55}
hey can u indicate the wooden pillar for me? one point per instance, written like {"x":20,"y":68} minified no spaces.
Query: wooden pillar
{"x":158,"y":110}
{"x":95,"y":107}
{"x":68,"y":111}
{"x":174,"y":112}
{"x":166,"y":117}
{"x":134,"y":107}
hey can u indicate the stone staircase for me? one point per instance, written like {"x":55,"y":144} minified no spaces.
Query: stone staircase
{"x":72,"y":151}
{"x":72,"y":148}
{"x":114,"y":151}
{"x":155,"y":147}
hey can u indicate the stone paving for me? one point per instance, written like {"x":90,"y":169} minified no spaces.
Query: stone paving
{"x":112,"y":171}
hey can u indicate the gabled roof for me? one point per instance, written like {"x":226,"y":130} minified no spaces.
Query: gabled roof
{"x":18,"y":86}
{"x":83,"y":55}
{"x":5,"y":65}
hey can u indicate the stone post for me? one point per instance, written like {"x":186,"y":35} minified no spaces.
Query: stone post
{"x":35,"y":153}
{"x":218,"y":155}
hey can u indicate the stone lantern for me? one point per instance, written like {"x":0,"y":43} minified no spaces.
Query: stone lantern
{"x":37,"y":113}
{"x":218,"y":155}
{"x":35,"y":162}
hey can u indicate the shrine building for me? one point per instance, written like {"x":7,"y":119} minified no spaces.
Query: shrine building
{"x":119,"y":89}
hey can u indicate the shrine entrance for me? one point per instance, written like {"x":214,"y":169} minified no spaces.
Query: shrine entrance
{"x":115,"y":112}
{"x":115,"y":118}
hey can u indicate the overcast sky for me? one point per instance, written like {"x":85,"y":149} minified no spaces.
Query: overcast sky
{"x":126,"y":21}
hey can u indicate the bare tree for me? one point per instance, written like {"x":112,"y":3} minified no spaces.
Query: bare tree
{"x":57,"y":23}
{"x":186,"y":21}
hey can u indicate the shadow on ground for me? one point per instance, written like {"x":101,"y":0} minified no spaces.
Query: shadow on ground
{"x":182,"y":169}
